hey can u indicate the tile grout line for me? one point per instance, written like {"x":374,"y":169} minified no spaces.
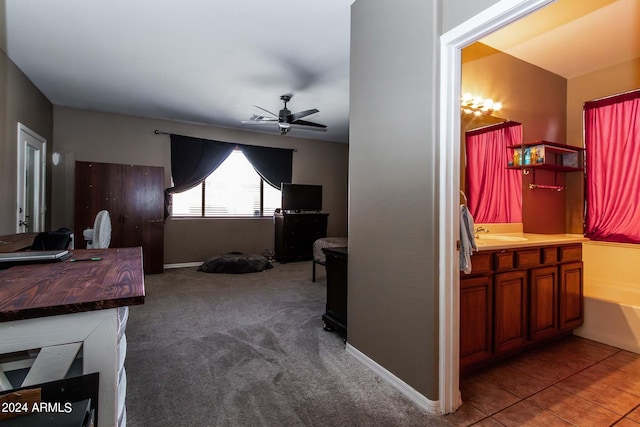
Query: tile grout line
{"x":569,"y":392}
{"x":521,"y":399}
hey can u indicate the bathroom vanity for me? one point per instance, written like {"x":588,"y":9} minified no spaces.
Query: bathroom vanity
{"x":522,"y":290}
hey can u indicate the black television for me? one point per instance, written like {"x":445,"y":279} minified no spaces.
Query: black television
{"x":301,"y":197}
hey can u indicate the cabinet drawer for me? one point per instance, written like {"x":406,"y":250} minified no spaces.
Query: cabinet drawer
{"x":527,"y":258}
{"x":549,"y":255}
{"x":570,"y":253}
{"x":503,"y":260}
{"x":480,"y":263}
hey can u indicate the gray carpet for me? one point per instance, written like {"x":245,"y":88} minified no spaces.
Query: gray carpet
{"x":249,"y":350}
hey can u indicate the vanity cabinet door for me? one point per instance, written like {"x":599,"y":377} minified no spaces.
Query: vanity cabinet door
{"x":543,"y":302}
{"x":510,"y":310}
{"x":571,"y":295}
{"x":475,"y":320}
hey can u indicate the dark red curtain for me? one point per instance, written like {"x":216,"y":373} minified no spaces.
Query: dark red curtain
{"x":494,"y":192}
{"x":612,"y":142}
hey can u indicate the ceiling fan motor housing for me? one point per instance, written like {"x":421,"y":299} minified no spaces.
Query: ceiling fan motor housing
{"x":286,"y":119}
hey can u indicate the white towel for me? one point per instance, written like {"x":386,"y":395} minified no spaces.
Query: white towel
{"x":467,"y":239}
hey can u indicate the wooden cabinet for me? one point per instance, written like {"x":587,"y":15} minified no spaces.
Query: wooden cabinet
{"x":543,"y":302}
{"x":510,"y":310}
{"x":295,"y":234}
{"x":476,"y":337}
{"x":134,"y":197}
{"x":571,"y":296}
{"x":518,"y":297}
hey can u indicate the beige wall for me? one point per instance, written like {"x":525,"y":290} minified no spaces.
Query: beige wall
{"x":609,"y":81}
{"x":20,"y":101}
{"x":393,"y":304}
{"x":393,"y":212}
{"x":455,"y":12}
{"x":529,"y":94}
{"x":114,"y":138}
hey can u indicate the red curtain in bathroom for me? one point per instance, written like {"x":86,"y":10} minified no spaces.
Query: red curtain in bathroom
{"x":612,"y":142}
{"x":494,"y":193}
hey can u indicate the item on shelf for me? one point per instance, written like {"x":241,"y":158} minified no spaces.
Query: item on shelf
{"x":539,"y":154}
{"x":516,"y":157}
{"x":570,"y":160}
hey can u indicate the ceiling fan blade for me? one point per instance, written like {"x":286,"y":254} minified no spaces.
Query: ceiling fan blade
{"x":263,"y":109}
{"x":301,"y":114}
{"x":311,"y":125}
{"x":258,"y":120}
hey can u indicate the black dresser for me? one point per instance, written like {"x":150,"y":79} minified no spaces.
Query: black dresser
{"x":295,"y":234}
{"x":335,"y":317}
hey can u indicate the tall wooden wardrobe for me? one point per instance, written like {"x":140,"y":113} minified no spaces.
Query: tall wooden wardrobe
{"x":134,"y":197}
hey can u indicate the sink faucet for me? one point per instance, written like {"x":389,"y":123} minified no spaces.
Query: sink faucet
{"x":481,"y":230}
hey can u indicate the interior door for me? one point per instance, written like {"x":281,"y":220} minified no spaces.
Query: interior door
{"x":31,"y":208}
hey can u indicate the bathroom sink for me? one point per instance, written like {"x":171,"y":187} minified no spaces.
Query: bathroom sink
{"x":502,"y":238}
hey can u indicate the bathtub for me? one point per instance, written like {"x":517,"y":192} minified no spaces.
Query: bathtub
{"x":611,"y":315}
{"x":611,"y":294}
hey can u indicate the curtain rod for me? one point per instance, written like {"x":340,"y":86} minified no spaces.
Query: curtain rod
{"x":159,"y":132}
{"x":611,"y":99}
{"x":612,"y":96}
{"x":503,"y":124}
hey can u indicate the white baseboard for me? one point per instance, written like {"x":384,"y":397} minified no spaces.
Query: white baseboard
{"x":428,"y":405}
{"x":183,"y":265}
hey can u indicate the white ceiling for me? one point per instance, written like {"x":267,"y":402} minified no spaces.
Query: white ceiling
{"x":190,"y":60}
{"x":210,"y":62}
{"x":574,"y":37}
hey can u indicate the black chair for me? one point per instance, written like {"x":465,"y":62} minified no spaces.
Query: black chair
{"x":52,"y":240}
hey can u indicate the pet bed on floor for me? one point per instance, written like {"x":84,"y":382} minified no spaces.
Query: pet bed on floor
{"x":235,"y":263}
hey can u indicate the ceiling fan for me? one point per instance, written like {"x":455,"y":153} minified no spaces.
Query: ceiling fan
{"x":285,"y":119}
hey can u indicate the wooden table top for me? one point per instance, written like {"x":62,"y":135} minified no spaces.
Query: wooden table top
{"x":38,"y":290}
{"x":16,"y":242}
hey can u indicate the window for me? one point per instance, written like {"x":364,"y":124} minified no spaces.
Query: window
{"x":234,"y":189}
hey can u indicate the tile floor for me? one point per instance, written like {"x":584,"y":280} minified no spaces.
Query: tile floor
{"x":574,"y":382}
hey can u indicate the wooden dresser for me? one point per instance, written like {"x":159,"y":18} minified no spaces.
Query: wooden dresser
{"x":335,"y":316}
{"x":295,"y":234}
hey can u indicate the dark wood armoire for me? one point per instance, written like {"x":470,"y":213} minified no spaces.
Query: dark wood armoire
{"x":134,"y":197}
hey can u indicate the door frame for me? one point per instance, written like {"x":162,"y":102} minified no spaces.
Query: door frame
{"x":40,"y":201}
{"x":489,"y":20}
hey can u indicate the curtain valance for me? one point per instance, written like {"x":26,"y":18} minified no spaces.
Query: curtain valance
{"x":614,"y":99}
{"x":490,"y":128}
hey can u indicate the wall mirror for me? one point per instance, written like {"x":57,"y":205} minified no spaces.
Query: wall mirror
{"x":494,"y":192}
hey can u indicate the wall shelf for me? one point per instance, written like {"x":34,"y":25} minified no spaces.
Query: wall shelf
{"x":548,"y":155}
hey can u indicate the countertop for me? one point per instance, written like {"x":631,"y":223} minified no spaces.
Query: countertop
{"x":16,"y":242}
{"x":485,"y":242}
{"x":38,"y":290}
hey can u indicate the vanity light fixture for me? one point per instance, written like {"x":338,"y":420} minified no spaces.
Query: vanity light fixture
{"x":476,"y":105}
